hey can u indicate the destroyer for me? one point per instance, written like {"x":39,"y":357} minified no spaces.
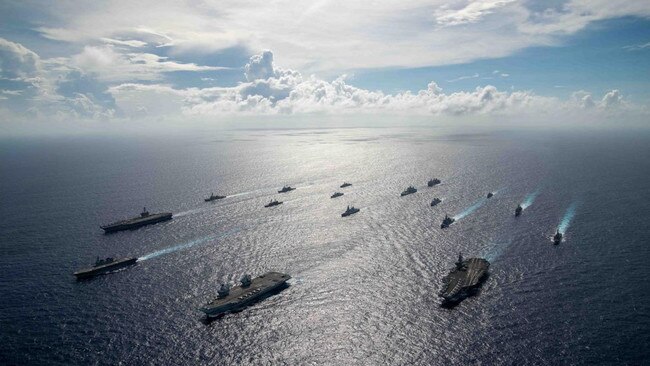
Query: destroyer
{"x":213,"y":198}
{"x":557,"y":238}
{"x":461,"y":281}
{"x":518,"y":210}
{"x":447,"y":221}
{"x":286,"y":189}
{"x":350,"y":211}
{"x":273,"y":203}
{"x":345,"y":184}
{"x":145,"y":218}
{"x":337,"y":194}
{"x":409,"y":190}
{"x":104,"y":266}
{"x":435,"y":201}
{"x":433,"y":182}
{"x":229,"y":300}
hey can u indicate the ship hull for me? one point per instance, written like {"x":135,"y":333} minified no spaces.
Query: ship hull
{"x":153,"y":219}
{"x":214,"y":198}
{"x":96,"y":271}
{"x":346,"y":214}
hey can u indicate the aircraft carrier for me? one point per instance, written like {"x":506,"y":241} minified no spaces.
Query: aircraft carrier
{"x":249,"y":291}
{"x":102,"y":266}
{"x":144,"y":219}
{"x":467,"y":276}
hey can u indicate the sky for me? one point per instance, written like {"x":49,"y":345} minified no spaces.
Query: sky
{"x":115,"y":61}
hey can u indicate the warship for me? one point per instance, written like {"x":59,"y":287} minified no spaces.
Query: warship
{"x":213,"y":197}
{"x":518,"y":210}
{"x":145,"y":218}
{"x":433,"y":182}
{"x":408,"y":191}
{"x":273,"y":203}
{"x":337,"y":194}
{"x":103,"y":266}
{"x":435,"y":201}
{"x":461,"y":281}
{"x":350,"y":211}
{"x":345,"y":184}
{"x":557,"y":238}
{"x":447,"y":221}
{"x":250,"y":290}
{"x":490,"y":194}
{"x":286,"y":189}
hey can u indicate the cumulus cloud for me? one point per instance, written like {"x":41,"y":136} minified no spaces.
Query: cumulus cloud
{"x":272,"y":90}
{"x":16,"y":61}
{"x":41,"y":91}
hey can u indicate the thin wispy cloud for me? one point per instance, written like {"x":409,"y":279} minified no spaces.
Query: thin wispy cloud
{"x":638,"y":47}
{"x":476,"y":75}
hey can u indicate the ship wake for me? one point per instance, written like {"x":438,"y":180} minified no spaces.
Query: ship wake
{"x":187,"y":245}
{"x":471,"y":209}
{"x":529,"y":199}
{"x":494,"y":250}
{"x":568,"y":217}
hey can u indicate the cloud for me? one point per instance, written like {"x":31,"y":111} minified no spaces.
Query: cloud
{"x":272,"y":90}
{"x":637,"y":47}
{"x":110,"y":63}
{"x":16,"y":61}
{"x":471,"y":12}
{"x":334,"y":37}
{"x":38,"y":89}
{"x":130,"y":43}
{"x":476,"y":75}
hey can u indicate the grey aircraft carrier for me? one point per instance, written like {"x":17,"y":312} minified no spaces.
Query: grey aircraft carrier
{"x":249,"y":291}
{"x":144,"y":219}
{"x":463,"y":279}
{"x":102,"y":266}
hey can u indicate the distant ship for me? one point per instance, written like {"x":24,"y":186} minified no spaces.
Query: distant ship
{"x":518,"y":210}
{"x":104,"y":266}
{"x":433,"y":182}
{"x":435,"y":201}
{"x":273,"y":203}
{"x":408,"y":191}
{"x":345,"y":184}
{"x":350,"y":211}
{"x":461,"y":281}
{"x":286,"y":189}
{"x":237,"y":298}
{"x":145,"y":218}
{"x":489,"y":195}
{"x":447,"y":221}
{"x":557,"y":238}
{"x":337,"y":194}
{"x":213,"y":197}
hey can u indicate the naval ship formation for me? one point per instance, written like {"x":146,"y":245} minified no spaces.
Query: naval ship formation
{"x":144,"y":219}
{"x":462,"y":281}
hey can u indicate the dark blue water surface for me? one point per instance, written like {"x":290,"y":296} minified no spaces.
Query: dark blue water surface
{"x":364,"y":287}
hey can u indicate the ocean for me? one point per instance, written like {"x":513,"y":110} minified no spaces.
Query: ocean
{"x":364,"y":287}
